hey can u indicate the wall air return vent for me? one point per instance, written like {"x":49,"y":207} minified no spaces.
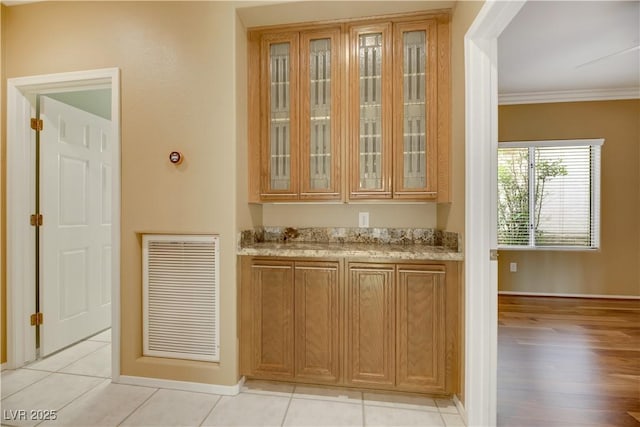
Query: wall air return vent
{"x":181,"y":296}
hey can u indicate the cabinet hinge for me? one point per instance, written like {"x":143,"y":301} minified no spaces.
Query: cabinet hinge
{"x":36,"y":220}
{"x":37,"y":319}
{"x":37,"y":124}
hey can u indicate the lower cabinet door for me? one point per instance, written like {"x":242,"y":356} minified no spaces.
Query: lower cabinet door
{"x":370,"y":324}
{"x":272,"y":314}
{"x":420,"y":313}
{"x":317,"y":313}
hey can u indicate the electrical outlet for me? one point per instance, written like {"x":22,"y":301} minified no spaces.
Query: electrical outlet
{"x":363,"y":219}
{"x":513,"y":267}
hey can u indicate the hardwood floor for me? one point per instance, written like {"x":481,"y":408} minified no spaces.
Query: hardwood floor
{"x":568,"y":362}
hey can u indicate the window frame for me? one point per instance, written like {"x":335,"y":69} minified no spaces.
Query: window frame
{"x":595,"y":193}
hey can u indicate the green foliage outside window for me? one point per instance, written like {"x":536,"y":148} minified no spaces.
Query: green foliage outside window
{"x":513,"y":200}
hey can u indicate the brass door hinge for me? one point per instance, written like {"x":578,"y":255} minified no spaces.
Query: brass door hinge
{"x":36,"y":220}
{"x":37,"y":124}
{"x":37,"y":319}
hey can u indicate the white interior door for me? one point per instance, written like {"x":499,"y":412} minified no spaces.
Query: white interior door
{"x":75,"y":238}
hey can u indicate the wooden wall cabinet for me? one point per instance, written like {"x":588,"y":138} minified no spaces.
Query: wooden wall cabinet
{"x":378,"y":325}
{"x":290,"y":316}
{"x":381,"y":85}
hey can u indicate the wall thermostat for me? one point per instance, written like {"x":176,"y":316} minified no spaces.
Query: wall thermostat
{"x":175,"y":157}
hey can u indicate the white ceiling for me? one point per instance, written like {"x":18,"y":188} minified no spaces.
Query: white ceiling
{"x":567,"y":46}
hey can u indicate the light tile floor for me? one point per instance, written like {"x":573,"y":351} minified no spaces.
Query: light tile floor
{"x":75,"y":383}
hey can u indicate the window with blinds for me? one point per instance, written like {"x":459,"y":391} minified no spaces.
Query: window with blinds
{"x":549,"y":194}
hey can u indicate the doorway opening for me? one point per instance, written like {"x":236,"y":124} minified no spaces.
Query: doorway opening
{"x":66,"y":173}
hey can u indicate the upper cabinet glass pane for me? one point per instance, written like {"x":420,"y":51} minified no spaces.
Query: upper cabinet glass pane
{"x":280,"y":120}
{"x":370,"y":65}
{"x":414,"y":90}
{"x":320,"y":114}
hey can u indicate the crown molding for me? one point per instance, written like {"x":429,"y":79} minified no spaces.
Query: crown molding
{"x":568,"y":96}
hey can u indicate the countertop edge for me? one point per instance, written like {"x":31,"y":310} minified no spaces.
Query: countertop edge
{"x":319,"y":253}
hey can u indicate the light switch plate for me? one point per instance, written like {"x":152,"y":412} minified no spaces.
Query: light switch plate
{"x":513,"y":267}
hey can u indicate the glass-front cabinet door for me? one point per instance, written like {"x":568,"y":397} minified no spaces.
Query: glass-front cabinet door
{"x":370,"y":76}
{"x":320,"y":114}
{"x":415,"y":107}
{"x":279,"y":72}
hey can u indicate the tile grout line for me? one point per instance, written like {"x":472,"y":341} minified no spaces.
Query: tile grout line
{"x":317,"y":399}
{"x":363,"y":410}
{"x":75,"y":375}
{"x":444,"y":422}
{"x":28,"y":385}
{"x":437,"y":411}
{"x":211,"y":410}
{"x":138,"y":407}
{"x":85,"y":356}
{"x":65,"y":366}
{"x":76,"y":398}
{"x":286,"y":412}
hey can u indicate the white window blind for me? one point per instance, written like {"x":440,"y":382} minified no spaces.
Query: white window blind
{"x":549,"y":194}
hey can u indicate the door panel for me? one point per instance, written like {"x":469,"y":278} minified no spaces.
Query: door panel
{"x":370,"y":112}
{"x":280,"y":122}
{"x":272,"y":308}
{"x":415,"y":103}
{"x":317,"y":321}
{"x":421,"y":328}
{"x":371,"y":349}
{"x":74,"y":280}
{"x":75,"y":198}
{"x":106,"y":274}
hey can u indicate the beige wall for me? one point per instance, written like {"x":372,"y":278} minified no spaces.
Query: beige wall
{"x":615,"y":269}
{"x":346,"y":215}
{"x":313,"y":11}
{"x":178,"y":85}
{"x":248,"y":215}
{"x":451,"y":215}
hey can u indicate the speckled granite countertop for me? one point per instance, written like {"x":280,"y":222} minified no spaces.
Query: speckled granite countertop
{"x":381,"y":243}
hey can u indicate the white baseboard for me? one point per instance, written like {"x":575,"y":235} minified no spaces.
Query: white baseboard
{"x":3,"y":366}
{"x":226,"y":390}
{"x":461,"y":410}
{"x":547,"y":294}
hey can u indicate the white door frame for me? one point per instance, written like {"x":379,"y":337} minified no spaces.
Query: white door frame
{"x":481,"y":185}
{"x":21,"y":92}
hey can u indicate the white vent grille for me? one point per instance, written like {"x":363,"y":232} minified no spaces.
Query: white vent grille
{"x":181,"y":297}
